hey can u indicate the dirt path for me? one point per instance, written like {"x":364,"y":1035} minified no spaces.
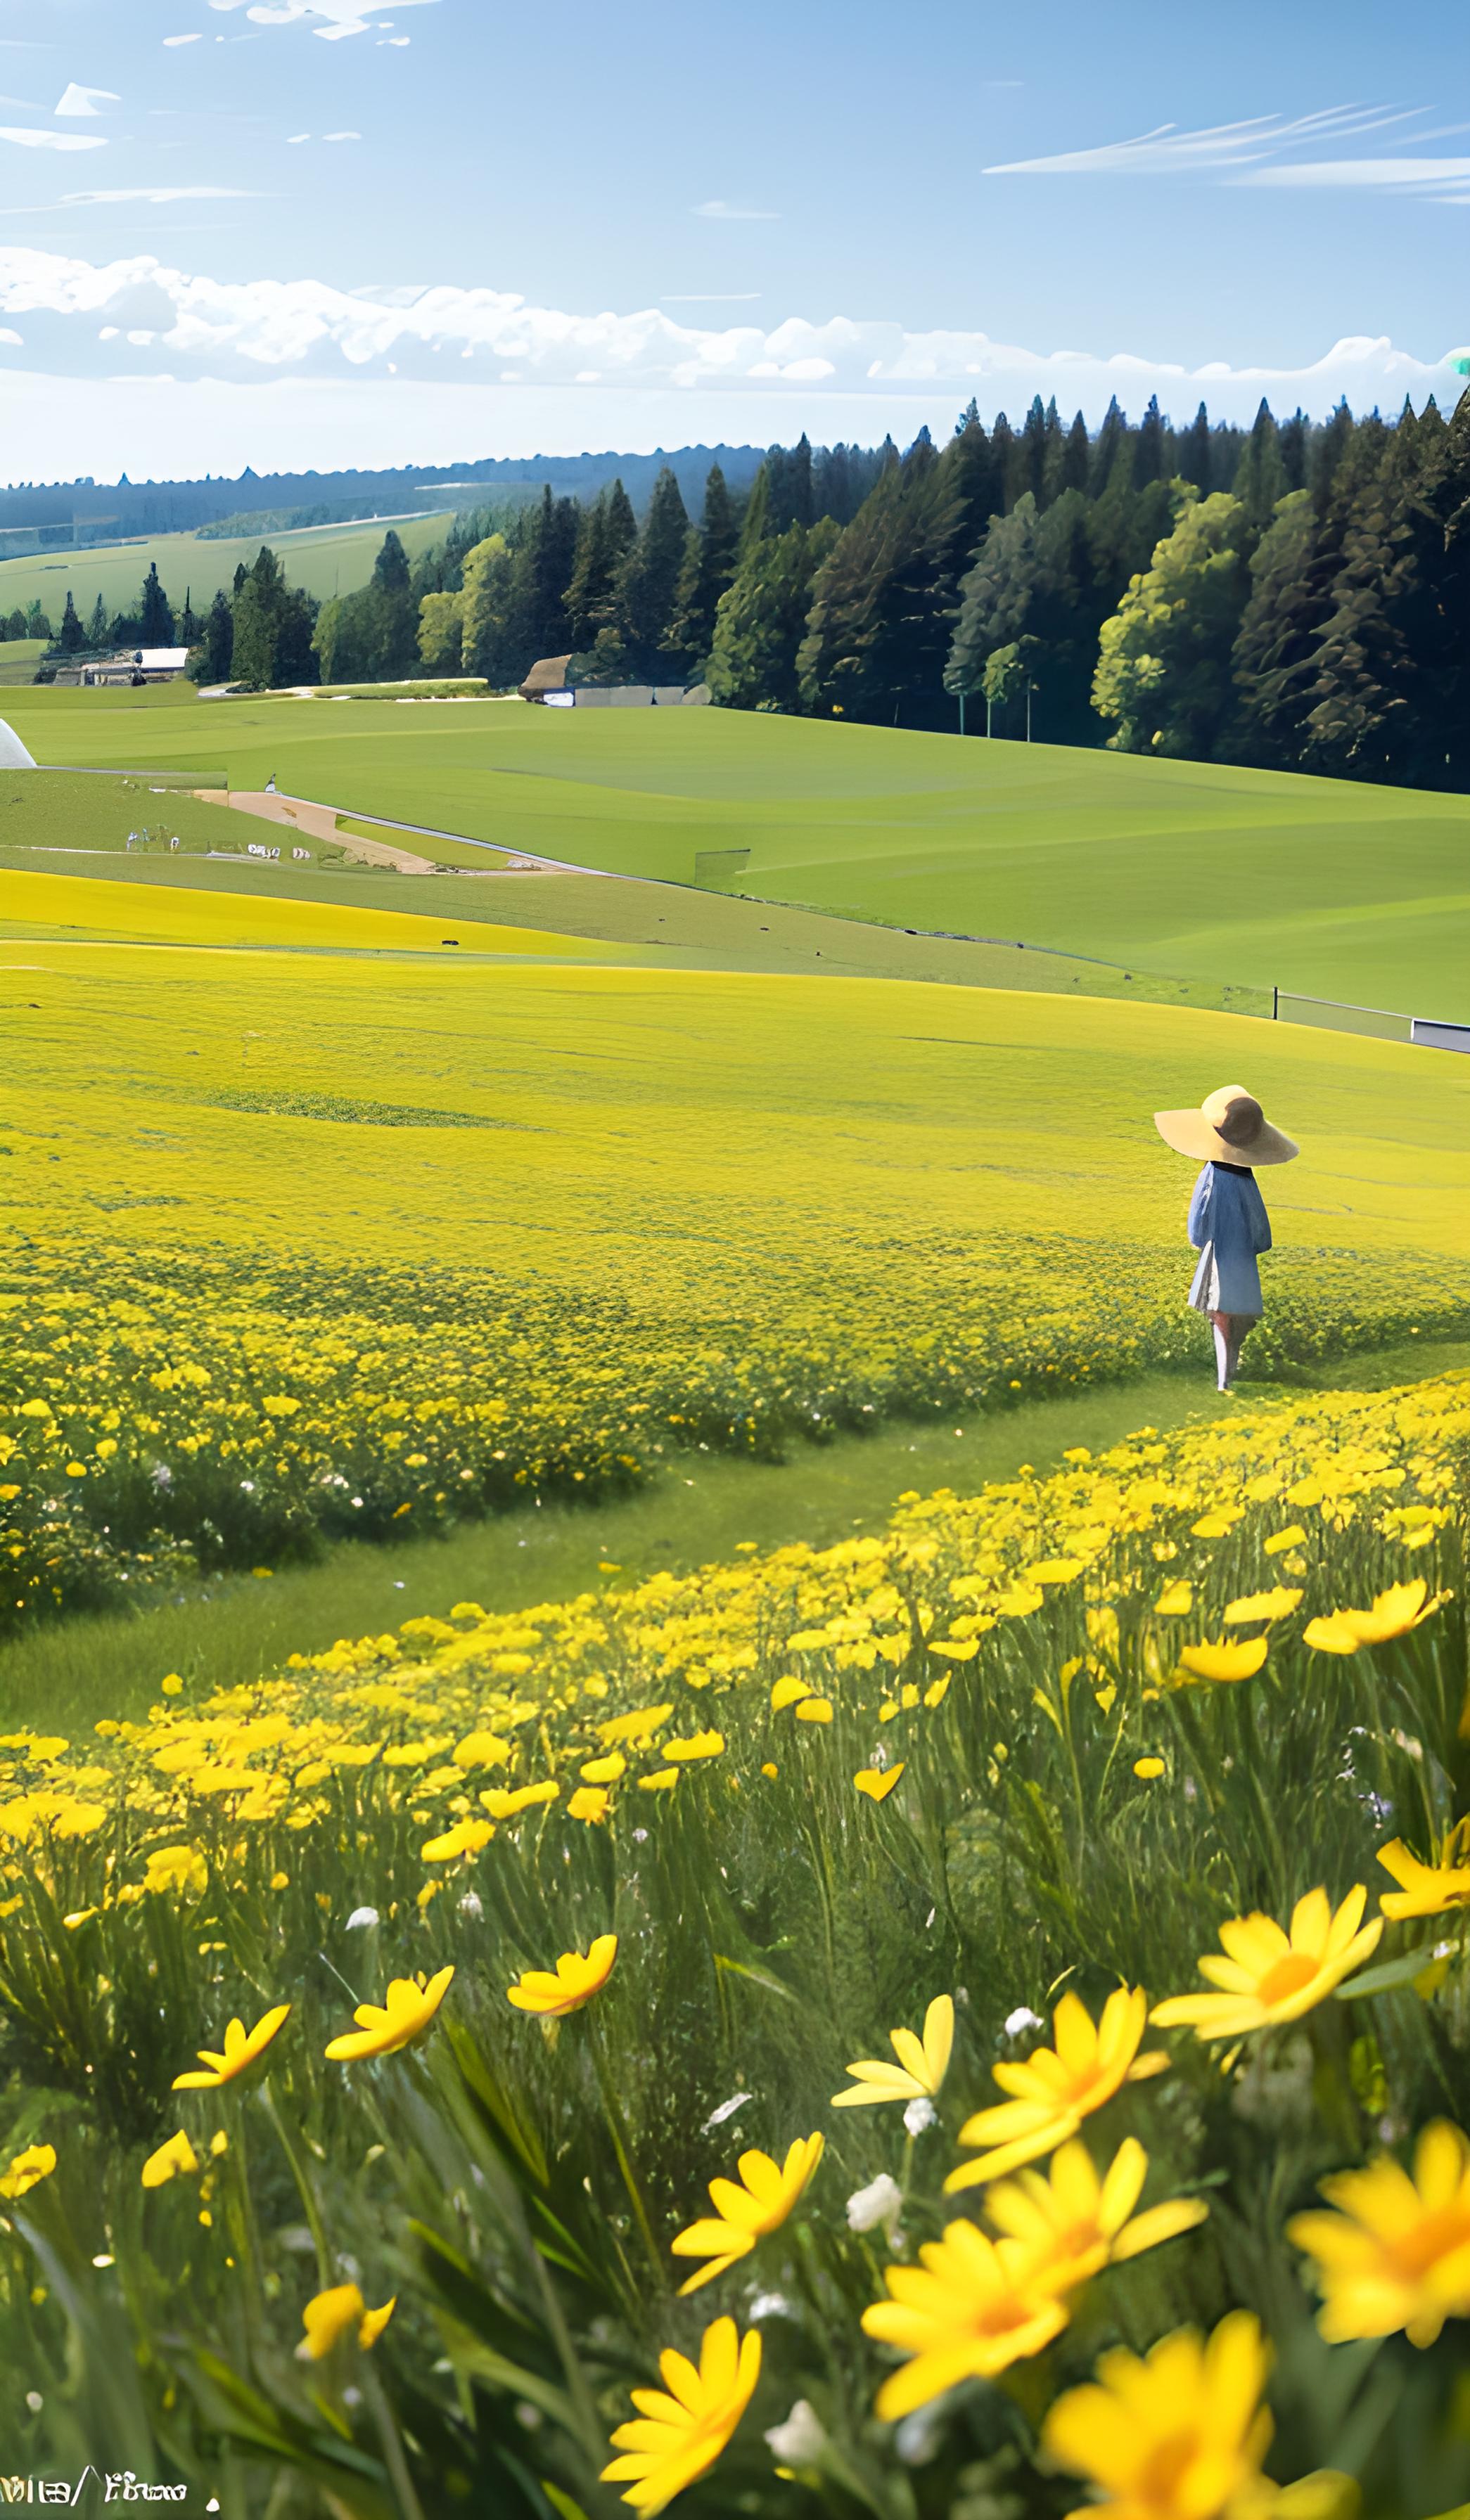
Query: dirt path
{"x":316,"y":823}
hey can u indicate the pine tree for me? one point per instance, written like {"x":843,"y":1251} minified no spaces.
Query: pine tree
{"x":978,"y":482}
{"x":1261,"y":477}
{"x":706,"y":569}
{"x":1033,"y":583}
{"x":97,"y":625}
{"x":879,"y":632}
{"x":212,"y":659}
{"x":1150,"y":452}
{"x":790,"y":485}
{"x":651,"y":572}
{"x":395,"y":612}
{"x":257,"y":608}
{"x":156,"y":613}
{"x":188,"y":623}
{"x":71,"y":636}
{"x":607,"y":532}
{"x":1193,"y":452}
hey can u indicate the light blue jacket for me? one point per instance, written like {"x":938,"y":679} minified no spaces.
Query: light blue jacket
{"x":1227,"y":1215}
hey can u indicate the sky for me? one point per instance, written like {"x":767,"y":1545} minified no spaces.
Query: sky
{"x":261,"y":232}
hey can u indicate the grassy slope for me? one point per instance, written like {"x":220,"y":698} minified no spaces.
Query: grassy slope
{"x":1205,"y":873}
{"x":713,"y":1130}
{"x":698,"y":1512}
{"x":41,"y":904}
{"x":327,"y":560}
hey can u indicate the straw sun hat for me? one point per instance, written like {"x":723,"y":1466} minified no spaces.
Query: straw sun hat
{"x":1229,"y":1128}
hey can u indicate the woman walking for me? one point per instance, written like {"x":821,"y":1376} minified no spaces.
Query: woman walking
{"x":1228,"y":1224}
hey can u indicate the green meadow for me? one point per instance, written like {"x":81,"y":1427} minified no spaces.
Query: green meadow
{"x":326,"y":560}
{"x":1203,"y":872}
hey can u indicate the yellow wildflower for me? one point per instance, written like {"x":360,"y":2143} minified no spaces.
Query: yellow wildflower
{"x":27,"y":2169}
{"x":605,"y":1771}
{"x":576,"y":1979}
{"x":790,"y":1691}
{"x":1278,"y":1604}
{"x":814,"y":1710}
{"x":1397,"y":2253}
{"x":1178,"y":2435}
{"x":241,"y":2049}
{"x":1225,"y":1661}
{"x":1148,"y":1768}
{"x":969,"y":2309}
{"x":1427,"y":1889}
{"x":878,"y":1783}
{"x":1055,"y":2089}
{"x":176,"y":1868}
{"x":920,"y":2068}
{"x":695,"y":1745}
{"x":678,"y":2436}
{"x":466,"y":1837}
{"x":406,"y":2012}
{"x":1394,"y":1613}
{"x":1291,"y":1538}
{"x":1075,"y":2222}
{"x":1270,"y":1975}
{"x":175,"y":2159}
{"x":589,"y":1803}
{"x":331,"y":2314}
{"x":746,"y":2214}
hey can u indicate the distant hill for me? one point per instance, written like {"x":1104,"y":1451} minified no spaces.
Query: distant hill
{"x":61,"y":514}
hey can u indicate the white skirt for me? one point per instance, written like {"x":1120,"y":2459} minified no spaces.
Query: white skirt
{"x":1204,"y":1293}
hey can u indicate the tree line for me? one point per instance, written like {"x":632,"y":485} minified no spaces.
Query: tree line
{"x":1295,"y":595}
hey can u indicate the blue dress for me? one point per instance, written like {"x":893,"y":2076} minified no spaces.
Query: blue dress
{"x":1227,"y":1226}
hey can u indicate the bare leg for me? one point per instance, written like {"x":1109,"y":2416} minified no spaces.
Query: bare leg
{"x":1223,"y":1357}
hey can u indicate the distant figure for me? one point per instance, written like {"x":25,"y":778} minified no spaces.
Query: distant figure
{"x":1228,"y":1224}
{"x":270,"y":785}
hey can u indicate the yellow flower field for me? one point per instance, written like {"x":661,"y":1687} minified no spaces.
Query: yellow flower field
{"x":348,"y":1249}
{"x":511,"y":1941}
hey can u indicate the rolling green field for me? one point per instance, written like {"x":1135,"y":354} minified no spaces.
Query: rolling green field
{"x":1202,"y":872}
{"x":326,"y":560}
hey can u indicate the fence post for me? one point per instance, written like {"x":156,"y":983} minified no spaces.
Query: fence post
{"x":1275,"y":1003}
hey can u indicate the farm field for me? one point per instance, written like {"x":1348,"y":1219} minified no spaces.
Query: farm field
{"x":1200,"y":873}
{"x":325,"y":560}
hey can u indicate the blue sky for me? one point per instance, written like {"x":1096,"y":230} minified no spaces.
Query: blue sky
{"x":442,"y":228}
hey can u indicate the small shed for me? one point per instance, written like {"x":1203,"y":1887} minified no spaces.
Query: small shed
{"x":547,"y":674}
{"x":138,"y":665}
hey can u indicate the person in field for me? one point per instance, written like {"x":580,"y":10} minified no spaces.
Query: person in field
{"x":1228,"y":1224}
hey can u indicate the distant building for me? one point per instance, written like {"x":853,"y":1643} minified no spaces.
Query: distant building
{"x":134,"y":665}
{"x":547,"y":684}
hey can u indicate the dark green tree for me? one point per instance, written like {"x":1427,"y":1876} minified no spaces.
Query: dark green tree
{"x":212,"y":659}
{"x":97,"y":625}
{"x":1032,"y":586}
{"x":651,"y":574}
{"x":706,"y":571}
{"x":1164,"y":662}
{"x":71,"y":635}
{"x":155,"y":612}
{"x":879,"y":633}
{"x":761,"y":617}
{"x":608,"y":531}
{"x":396,"y":641}
{"x":1261,"y":476}
{"x":188,"y":626}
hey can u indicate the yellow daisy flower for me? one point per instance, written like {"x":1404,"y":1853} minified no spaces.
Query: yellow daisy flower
{"x":920,"y":2068}
{"x":576,"y":1979}
{"x":680,"y":2435}
{"x":746,"y":2214}
{"x":1055,"y":2089}
{"x":1178,"y":2435}
{"x":1267,"y":1975}
{"x":383,"y":2029}
{"x":331,"y":2314}
{"x":970,"y":2309}
{"x":240,"y":2052}
{"x":1397,"y":2253}
{"x":1427,"y":1889}
{"x":1075,"y":2224}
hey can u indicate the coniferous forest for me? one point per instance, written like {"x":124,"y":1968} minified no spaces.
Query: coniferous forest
{"x":1292,"y":595}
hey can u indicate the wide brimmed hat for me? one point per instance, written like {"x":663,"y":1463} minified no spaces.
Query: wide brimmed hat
{"x":1229,"y":1128}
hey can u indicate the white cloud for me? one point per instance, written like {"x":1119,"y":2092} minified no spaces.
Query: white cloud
{"x":342,"y":15}
{"x":296,"y":138}
{"x":156,"y":192}
{"x":239,"y":330}
{"x":169,"y":41}
{"x":341,"y":135}
{"x":74,"y":99}
{"x":11,"y":340}
{"x":730,"y":210}
{"x":711,"y":297}
{"x":1169,"y":151}
{"x":21,"y":139}
{"x":1434,"y":179}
